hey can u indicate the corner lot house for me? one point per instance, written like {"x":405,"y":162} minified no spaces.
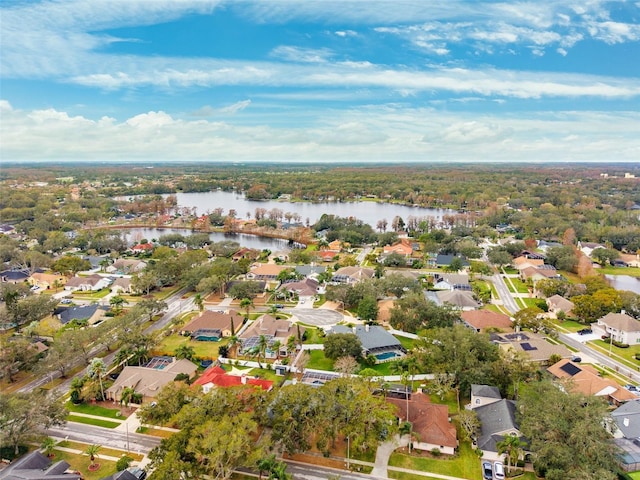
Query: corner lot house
{"x":211,"y":322}
{"x":587,"y":380}
{"x":92,"y":283}
{"x":36,"y":466}
{"x":534,"y":345}
{"x":216,"y":376}
{"x":620,"y":326}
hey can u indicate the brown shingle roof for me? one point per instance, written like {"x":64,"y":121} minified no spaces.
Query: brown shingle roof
{"x":214,"y":321}
{"x":621,"y":321}
{"x":481,"y":319}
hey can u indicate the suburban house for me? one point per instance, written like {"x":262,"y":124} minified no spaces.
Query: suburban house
{"x":274,"y":330}
{"x":142,"y":248}
{"x":375,"y":341}
{"x":317,"y":378}
{"x":522,"y":262}
{"x":149,"y":380}
{"x":497,"y":418}
{"x":14,"y":276}
{"x":588,"y":247}
{"x":587,"y":380}
{"x":460,"y":299}
{"x":310,"y":270}
{"x":444,"y":261}
{"x":126,"y":266}
{"x":619,"y":326}
{"x":430,"y":423}
{"x":265,"y":271}
{"x":91,"y":313}
{"x":92,"y":283}
{"x":535,"y":346}
{"x":245,"y":252}
{"x":213,"y":323}
{"x":545,"y":246}
{"x":627,"y":418}
{"x":481,"y":320}
{"x":483,"y":395}
{"x":216,"y":376}
{"x":36,"y":466}
{"x":121,"y":285}
{"x":353,"y":274}
{"x":451,"y":281}
{"x":327,"y":255}
{"x":535,"y":274}
{"x":47,"y":280}
{"x":335,"y":246}
{"x":558,"y":304}
{"x":303,"y":288}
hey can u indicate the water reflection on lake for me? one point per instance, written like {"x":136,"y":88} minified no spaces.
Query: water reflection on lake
{"x":624,"y":282}
{"x":368,"y":212}
{"x":133,"y":235}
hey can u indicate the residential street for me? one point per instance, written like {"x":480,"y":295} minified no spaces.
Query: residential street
{"x":106,"y":437}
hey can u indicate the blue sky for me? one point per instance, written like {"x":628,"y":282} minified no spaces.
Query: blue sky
{"x":320,"y":80}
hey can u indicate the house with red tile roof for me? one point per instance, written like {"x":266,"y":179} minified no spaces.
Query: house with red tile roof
{"x":481,"y":320}
{"x":142,"y":248}
{"x":216,"y":376}
{"x":429,"y":423}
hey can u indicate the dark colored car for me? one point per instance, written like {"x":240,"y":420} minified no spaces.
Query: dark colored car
{"x":585,"y":331}
{"x":487,"y":470}
{"x":576,"y":359}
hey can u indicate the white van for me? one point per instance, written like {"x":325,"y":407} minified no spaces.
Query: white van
{"x":498,"y":471}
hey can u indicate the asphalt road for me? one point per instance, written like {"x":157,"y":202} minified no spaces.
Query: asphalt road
{"x":106,"y":437}
{"x":504,"y":294}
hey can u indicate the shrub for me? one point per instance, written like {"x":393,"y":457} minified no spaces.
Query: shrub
{"x":123,"y":463}
{"x":436,"y":452}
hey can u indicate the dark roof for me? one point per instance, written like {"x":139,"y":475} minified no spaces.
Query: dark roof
{"x":372,"y":337}
{"x":35,"y":466}
{"x":494,"y":418}
{"x":485,"y":391}
{"x":14,"y":275}
{"x":445,"y":260}
{"x":77,"y":313}
{"x":627,"y":417}
{"x":123,"y":475}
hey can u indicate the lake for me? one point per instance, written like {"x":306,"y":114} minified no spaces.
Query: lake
{"x":368,"y":212}
{"x":134,"y":235}
{"x":624,"y":282}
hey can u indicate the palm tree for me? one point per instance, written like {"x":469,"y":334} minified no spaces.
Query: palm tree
{"x":127,"y":396}
{"x":198,"y":301}
{"x":291,"y":344}
{"x":98,"y":369}
{"x":275,"y":347}
{"x":234,"y":343}
{"x":92,"y":451}
{"x":247,"y":304}
{"x":117,"y":302}
{"x":122,"y":356}
{"x":512,"y":447}
{"x":47,"y":446}
{"x":185,"y":351}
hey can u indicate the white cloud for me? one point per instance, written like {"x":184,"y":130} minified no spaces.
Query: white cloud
{"x":236,"y":107}
{"x":346,"y":33}
{"x":304,"y":55}
{"x":390,"y":132}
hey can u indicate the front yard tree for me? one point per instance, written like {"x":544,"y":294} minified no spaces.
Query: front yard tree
{"x":219,"y":446}
{"x":368,"y":309}
{"x":24,"y":415}
{"x":570,"y":434}
{"x":97,"y":369}
{"x":512,"y":447}
{"x":339,"y":345}
{"x":70,"y":265}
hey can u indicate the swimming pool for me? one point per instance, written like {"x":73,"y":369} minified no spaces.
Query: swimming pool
{"x":386,"y":355}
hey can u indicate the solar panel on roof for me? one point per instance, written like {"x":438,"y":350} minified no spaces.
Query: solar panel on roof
{"x":570,"y":369}
{"x":528,"y":347}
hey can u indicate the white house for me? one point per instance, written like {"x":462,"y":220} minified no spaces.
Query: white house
{"x":620,"y":326}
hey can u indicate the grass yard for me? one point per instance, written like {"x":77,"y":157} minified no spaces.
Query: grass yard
{"x":570,"y":325}
{"x":406,"y":342}
{"x":81,"y":464}
{"x":318,"y":361}
{"x":622,"y":354}
{"x":92,"y":421}
{"x":634,"y":475}
{"x":92,"y":295}
{"x":95,"y":410}
{"x":520,"y":286}
{"x":111,"y":452}
{"x":203,"y":349}
{"x":631,"y":271}
{"x":465,"y":464}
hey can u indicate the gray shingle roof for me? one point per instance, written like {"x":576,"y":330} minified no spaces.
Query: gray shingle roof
{"x":35,"y":466}
{"x":495,"y":418}
{"x":486,"y":391}
{"x":630,"y":412}
{"x":372,"y":337}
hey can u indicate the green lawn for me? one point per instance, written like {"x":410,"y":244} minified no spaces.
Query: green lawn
{"x":92,"y":421}
{"x":94,"y":410}
{"x":407,"y":343}
{"x":570,"y":325}
{"x":635,"y":475}
{"x":81,"y":463}
{"x":318,"y":361}
{"x":92,"y":295}
{"x":631,"y":271}
{"x":202,"y":349}
{"x":624,"y":354}
{"x":465,"y":464}
{"x":521,"y":287}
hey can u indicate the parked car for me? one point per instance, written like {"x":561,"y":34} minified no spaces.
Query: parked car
{"x":585,"y":331}
{"x":498,"y":471}
{"x":576,"y":359}
{"x":487,"y":470}
{"x":631,"y":388}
